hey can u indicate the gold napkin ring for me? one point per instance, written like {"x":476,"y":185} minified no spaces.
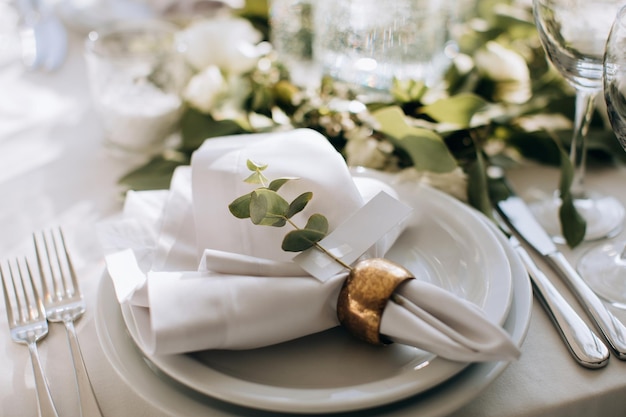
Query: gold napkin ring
{"x":364,"y":295}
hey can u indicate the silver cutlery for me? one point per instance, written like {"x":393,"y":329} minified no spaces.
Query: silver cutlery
{"x":586,"y":348}
{"x":64,"y":303}
{"x":27,"y":322}
{"x":521,"y":220}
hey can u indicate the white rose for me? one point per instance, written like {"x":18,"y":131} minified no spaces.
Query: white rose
{"x":508,"y":69}
{"x":544,"y":122}
{"x":363,"y":150}
{"x":205,"y":88}
{"x":229,"y":43}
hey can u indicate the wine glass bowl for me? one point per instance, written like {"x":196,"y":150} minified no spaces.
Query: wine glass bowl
{"x":615,"y":77}
{"x":603,"y":267}
{"x":573,"y":34}
{"x":616,"y":108}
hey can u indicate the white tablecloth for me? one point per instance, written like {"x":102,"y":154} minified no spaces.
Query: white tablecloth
{"x":53,"y":170}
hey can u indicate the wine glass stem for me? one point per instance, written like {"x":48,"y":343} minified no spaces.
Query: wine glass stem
{"x":578,"y":150}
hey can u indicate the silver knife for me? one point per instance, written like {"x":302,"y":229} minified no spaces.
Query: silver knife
{"x":521,"y":220}
{"x":586,"y":348}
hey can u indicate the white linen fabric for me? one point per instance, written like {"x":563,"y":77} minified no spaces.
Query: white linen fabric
{"x":197,"y":278}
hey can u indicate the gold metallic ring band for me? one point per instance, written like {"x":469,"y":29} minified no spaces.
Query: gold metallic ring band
{"x":364,"y":295}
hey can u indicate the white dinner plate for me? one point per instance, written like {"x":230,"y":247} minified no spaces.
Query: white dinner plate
{"x":446,"y":243}
{"x":177,"y":400}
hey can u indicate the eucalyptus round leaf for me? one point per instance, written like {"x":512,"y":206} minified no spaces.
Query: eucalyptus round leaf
{"x":318,"y":223}
{"x":256,"y":178}
{"x":299,"y":204}
{"x":268,"y":208}
{"x":279,"y":182}
{"x":240,"y":207}
{"x":254,"y":166}
{"x":302,"y":239}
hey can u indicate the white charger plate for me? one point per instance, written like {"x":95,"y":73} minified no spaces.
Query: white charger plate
{"x":177,"y":400}
{"x":447,"y":243}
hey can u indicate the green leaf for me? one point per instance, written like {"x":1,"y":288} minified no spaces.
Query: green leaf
{"x":573,"y":225}
{"x":318,"y":223}
{"x":256,"y":177}
{"x":302,"y":239}
{"x":155,"y":175}
{"x":478,"y":186}
{"x":458,"y":109}
{"x":426,"y":148}
{"x":196,"y":127}
{"x":279,"y":182}
{"x":298,"y":204}
{"x":407,"y":91}
{"x":268,"y":208}
{"x":538,"y":146}
{"x":254,"y":166}
{"x":240,"y":207}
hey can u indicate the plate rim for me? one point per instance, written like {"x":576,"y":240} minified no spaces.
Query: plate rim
{"x":322,"y":400}
{"x":434,"y":403}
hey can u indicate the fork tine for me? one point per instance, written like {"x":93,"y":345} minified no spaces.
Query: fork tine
{"x":7,"y":301}
{"x":37,"y":304}
{"x":28,"y":307}
{"x":55,"y":263}
{"x":70,"y":265}
{"x":40,"y":264}
{"x":53,"y":257}
{"x":67,"y":307}
{"x":32,"y":307}
{"x":18,"y":302}
{"x":32,"y":325}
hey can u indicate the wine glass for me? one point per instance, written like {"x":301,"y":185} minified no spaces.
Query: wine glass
{"x":573,"y":34}
{"x":604,"y":266}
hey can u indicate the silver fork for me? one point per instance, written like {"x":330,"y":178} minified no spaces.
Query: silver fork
{"x":27,"y":321}
{"x":64,"y":302}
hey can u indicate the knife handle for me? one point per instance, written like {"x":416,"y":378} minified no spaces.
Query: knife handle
{"x":611,"y":327}
{"x":586,"y":348}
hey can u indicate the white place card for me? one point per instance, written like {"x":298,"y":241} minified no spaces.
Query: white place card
{"x":355,"y":236}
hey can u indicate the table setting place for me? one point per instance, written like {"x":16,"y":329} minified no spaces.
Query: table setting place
{"x":298,"y":207}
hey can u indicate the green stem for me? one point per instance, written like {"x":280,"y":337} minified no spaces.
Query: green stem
{"x":322,"y":249}
{"x":339,"y":261}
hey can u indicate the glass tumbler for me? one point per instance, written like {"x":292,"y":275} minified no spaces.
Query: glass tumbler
{"x":136,"y":74}
{"x":292,"y":34}
{"x":369,"y":43}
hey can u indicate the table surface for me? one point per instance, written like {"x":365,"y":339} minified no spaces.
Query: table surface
{"x":54,"y":170}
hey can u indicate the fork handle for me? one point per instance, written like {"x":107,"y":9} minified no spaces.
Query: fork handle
{"x":44,"y":398}
{"x":88,"y":403}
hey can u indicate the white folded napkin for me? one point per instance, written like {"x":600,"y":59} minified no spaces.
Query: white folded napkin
{"x":198,"y":278}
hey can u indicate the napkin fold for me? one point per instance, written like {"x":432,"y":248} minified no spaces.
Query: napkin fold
{"x":195,"y":277}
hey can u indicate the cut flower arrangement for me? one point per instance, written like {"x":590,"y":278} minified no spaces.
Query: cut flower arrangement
{"x":500,"y":102}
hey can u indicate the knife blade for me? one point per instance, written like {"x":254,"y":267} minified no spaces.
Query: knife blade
{"x":582,"y":342}
{"x":521,"y":221}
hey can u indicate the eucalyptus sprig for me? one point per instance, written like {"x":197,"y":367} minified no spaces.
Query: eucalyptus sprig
{"x":264,"y":206}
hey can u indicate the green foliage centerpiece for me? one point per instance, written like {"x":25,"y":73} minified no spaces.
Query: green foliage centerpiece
{"x":500,"y":102}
